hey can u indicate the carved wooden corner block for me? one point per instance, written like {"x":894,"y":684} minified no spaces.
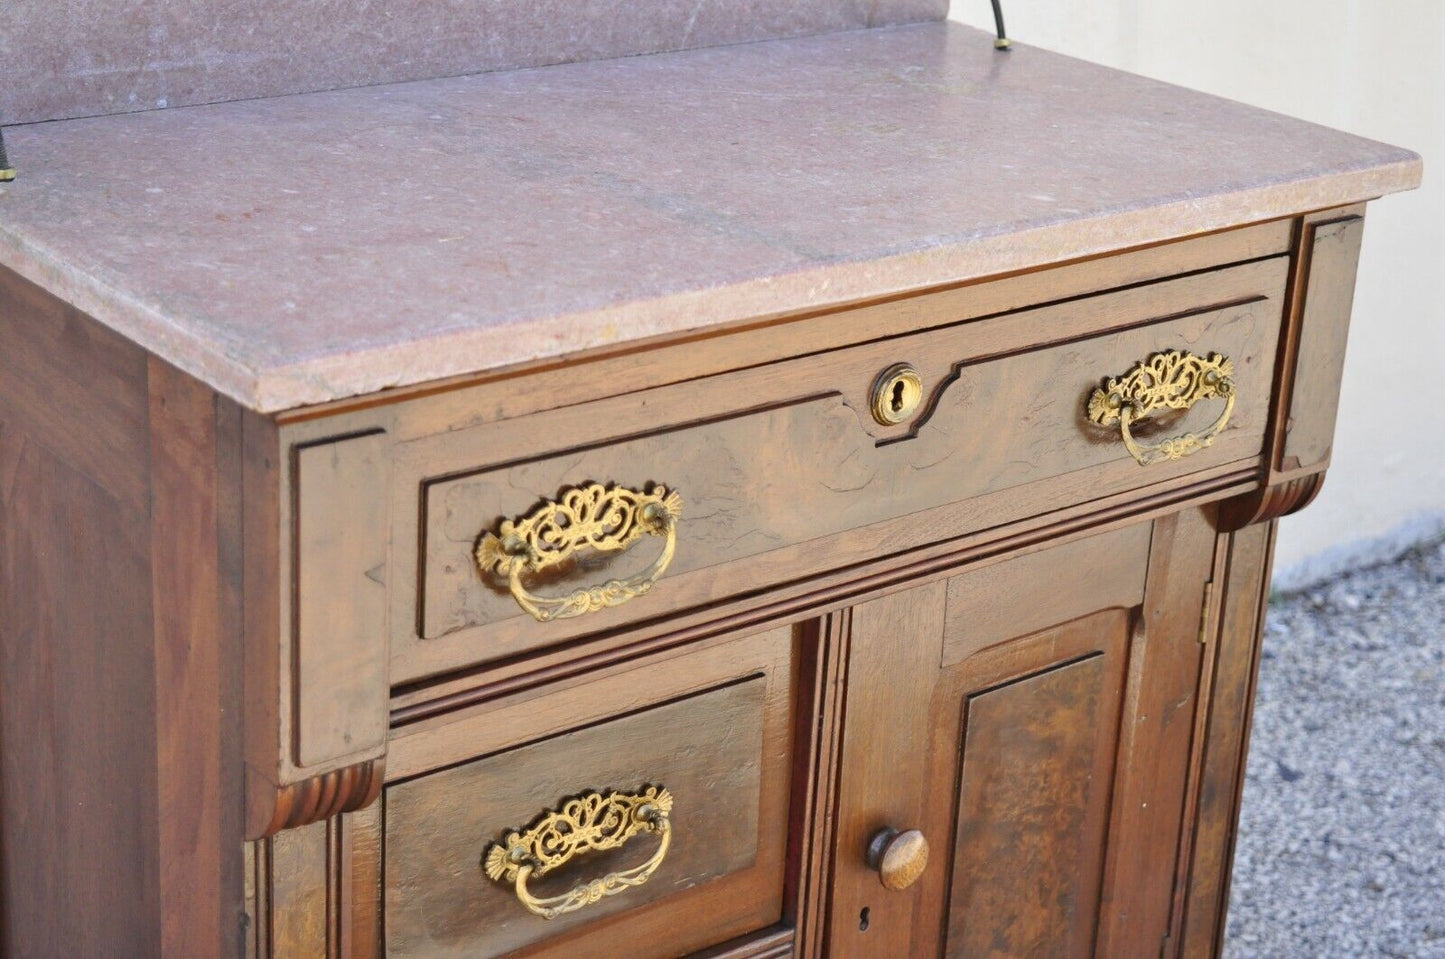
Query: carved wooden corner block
{"x":1269,"y":502}
{"x":321,"y":797}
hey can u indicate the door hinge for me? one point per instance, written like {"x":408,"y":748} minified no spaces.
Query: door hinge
{"x":1204,"y":613}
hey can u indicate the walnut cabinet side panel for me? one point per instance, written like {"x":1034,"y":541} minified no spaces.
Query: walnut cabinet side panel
{"x":121,"y":774}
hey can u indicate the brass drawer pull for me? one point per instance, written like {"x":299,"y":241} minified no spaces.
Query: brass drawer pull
{"x":592,"y":822}
{"x":1172,"y":380}
{"x":606,"y":519}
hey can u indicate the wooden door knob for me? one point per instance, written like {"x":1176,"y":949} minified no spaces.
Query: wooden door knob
{"x":899,"y":857}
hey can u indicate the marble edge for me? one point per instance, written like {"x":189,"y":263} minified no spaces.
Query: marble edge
{"x":338,"y":377}
{"x":133,"y":318}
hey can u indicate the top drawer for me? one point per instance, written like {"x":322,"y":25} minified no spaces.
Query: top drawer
{"x":593,"y":516}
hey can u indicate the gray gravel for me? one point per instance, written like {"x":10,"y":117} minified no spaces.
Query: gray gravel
{"x":1342,"y":836}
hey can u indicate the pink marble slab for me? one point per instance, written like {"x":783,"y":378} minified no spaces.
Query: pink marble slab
{"x":302,"y":249}
{"x":74,"y":58}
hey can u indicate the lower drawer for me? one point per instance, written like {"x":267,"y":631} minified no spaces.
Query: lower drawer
{"x":646,"y":816}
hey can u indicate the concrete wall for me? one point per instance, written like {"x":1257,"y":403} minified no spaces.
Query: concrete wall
{"x":1372,"y":68}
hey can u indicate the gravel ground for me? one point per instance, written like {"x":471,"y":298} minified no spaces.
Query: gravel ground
{"x":1342,"y":836}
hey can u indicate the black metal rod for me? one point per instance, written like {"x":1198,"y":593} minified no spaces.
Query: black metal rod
{"x":1003,"y":42}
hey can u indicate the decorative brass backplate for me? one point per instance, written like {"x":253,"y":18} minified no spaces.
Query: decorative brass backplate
{"x":592,"y":822}
{"x":1171,"y":380}
{"x":608,"y":519}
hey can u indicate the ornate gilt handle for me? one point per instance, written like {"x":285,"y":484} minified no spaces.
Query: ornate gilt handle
{"x":1172,"y":380}
{"x":591,"y":822}
{"x":604,"y":518}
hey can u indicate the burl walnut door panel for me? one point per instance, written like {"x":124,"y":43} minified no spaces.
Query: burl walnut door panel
{"x":1039,"y":738}
{"x":1033,"y":718}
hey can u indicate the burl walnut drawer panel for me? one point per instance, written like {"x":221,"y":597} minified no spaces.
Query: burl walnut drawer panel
{"x":758,"y":467}
{"x":650,"y":806}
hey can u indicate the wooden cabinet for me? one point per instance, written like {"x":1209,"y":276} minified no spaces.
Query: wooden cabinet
{"x":737,"y":650}
{"x":970,"y":683}
{"x":810,"y":497}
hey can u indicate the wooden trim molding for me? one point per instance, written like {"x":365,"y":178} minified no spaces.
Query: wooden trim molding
{"x":321,"y":797}
{"x":777,"y":944}
{"x":1269,"y":502}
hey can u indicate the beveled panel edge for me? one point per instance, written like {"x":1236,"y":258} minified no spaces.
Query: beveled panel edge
{"x":470,"y":731}
{"x":1301,"y":252}
{"x":1286,"y":485}
{"x":1329,"y":255}
{"x":1108,"y":572}
{"x":281,"y":792}
{"x":340,"y":635}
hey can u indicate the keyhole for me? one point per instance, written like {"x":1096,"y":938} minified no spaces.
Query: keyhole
{"x":863,"y":920}
{"x":895,"y":394}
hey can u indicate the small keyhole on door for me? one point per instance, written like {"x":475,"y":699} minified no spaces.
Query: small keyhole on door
{"x":897,"y":401}
{"x":863,"y":920}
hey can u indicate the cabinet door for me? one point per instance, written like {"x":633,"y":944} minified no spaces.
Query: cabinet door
{"x":1032,"y":719}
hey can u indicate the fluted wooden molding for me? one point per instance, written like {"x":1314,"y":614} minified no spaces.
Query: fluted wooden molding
{"x":1269,"y":503}
{"x":336,"y":792}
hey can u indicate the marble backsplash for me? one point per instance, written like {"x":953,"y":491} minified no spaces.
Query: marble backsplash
{"x":72,"y":58}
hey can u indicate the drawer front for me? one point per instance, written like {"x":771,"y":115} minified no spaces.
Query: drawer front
{"x":666,"y":817}
{"x":701,"y":491}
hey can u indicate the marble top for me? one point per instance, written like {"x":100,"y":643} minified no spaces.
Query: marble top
{"x":302,"y":249}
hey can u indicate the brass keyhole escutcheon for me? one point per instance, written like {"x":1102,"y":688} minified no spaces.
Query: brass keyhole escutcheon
{"x":896,"y":394}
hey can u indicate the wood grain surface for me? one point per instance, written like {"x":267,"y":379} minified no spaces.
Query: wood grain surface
{"x":121,"y":795}
{"x":987,"y":624}
{"x":1033,"y":806}
{"x":748,"y":488}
